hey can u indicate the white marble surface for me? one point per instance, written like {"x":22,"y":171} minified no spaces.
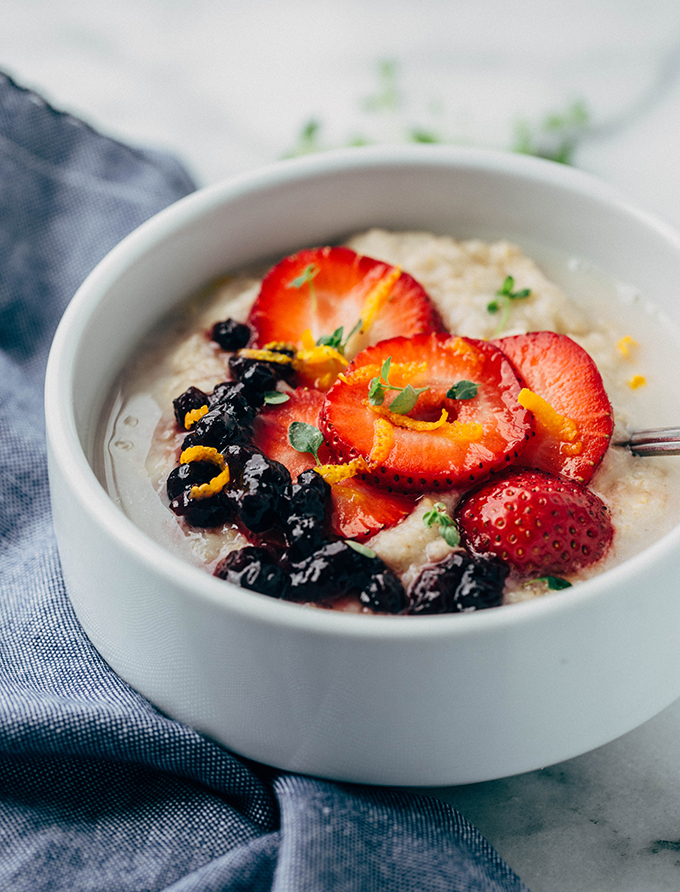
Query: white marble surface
{"x":230,"y":85}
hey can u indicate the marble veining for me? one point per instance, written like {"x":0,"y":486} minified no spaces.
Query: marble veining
{"x":229,"y":86}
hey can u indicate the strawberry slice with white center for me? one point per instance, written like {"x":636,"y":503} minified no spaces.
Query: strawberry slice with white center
{"x":360,"y":510}
{"x":322,"y":290}
{"x":539,"y":523}
{"x":452,"y":437}
{"x":565,"y":393}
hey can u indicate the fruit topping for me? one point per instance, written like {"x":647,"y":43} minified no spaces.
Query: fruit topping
{"x":254,"y":568}
{"x":185,"y":476}
{"x":270,"y":429}
{"x":230,"y":334}
{"x":404,"y":420}
{"x":538,"y":523}
{"x":458,"y":584}
{"x":190,"y":401}
{"x":359,"y":509}
{"x":564,"y":392}
{"x":262,"y":488}
{"x":338,"y":569}
{"x":305,"y":523}
{"x":344,"y":300}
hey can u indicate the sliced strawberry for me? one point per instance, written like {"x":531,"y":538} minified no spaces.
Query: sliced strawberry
{"x":359,"y":509}
{"x":480,"y":434}
{"x":556,"y":368}
{"x":270,"y":430}
{"x":537,"y":522}
{"x":323,"y":289}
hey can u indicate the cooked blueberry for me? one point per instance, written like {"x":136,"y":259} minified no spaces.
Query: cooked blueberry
{"x":458,"y":584}
{"x":239,"y":366}
{"x":210,"y":512}
{"x":216,"y":429}
{"x":234,"y":400}
{"x":193,"y":473}
{"x":305,"y":535}
{"x":254,"y":568}
{"x":264,"y":484}
{"x":332,"y":571}
{"x":257,"y":380}
{"x":309,"y":498}
{"x":311,"y":479}
{"x":384,"y":593}
{"x":237,"y":454}
{"x":191,"y":399}
{"x":230,"y":334}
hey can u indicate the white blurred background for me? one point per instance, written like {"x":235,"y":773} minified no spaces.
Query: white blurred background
{"x":231,"y":85}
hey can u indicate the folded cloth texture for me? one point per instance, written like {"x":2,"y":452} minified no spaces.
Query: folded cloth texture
{"x":98,"y":789}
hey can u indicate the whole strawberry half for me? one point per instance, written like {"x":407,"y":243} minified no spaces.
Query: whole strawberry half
{"x":561,"y":372}
{"x":360,"y":510}
{"x":325,"y":289}
{"x":537,"y":522}
{"x":481,"y":432}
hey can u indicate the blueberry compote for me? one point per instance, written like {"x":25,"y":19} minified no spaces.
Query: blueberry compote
{"x":292,"y":555}
{"x":458,"y":584}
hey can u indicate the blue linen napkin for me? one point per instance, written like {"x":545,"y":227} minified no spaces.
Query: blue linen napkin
{"x":99,"y":790}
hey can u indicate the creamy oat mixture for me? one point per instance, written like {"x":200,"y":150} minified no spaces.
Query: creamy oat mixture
{"x":628,"y":344}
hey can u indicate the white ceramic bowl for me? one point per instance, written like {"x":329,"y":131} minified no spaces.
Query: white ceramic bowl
{"x":384,"y":700}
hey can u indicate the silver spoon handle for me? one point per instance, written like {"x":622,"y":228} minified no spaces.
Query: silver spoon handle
{"x":661,"y":441}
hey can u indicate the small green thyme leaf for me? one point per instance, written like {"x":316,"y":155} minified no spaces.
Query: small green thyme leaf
{"x":505,"y":296}
{"x":376,"y":392}
{"x":404,"y":401}
{"x":388,"y":98}
{"x":450,"y":535}
{"x":275,"y":397}
{"x":334,"y":340}
{"x":305,"y":437}
{"x":556,"y":137}
{"x":463,"y":390}
{"x":356,"y":328}
{"x":306,"y":276}
{"x":506,"y":290}
{"x":406,"y":397}
{"x":447,"y":526}
{"x":554,"y":583}
{"x":425,"y":136}
{"x":308,"y":139}
{"x":362,"y":549}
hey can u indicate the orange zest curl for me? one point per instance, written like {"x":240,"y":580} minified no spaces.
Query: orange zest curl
{"x":336,"y":473}
{"x":383,"y":440}
{"x":318,"y":365}
{"x":266,"y":355}
{"x":195,"y":415}
{"x":412,"y":424}
{"x":205,"y":490}
{"x":626,"y":345}
{"x":558,"y":426}
{"x":203,"y":453}
{"x":377,"y":297}
{"x":363,"y":374}
{"x":280,"y":346}
{"x":207,"y":453}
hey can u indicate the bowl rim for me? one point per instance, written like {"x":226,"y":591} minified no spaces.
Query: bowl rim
{"x":176,"y":572}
